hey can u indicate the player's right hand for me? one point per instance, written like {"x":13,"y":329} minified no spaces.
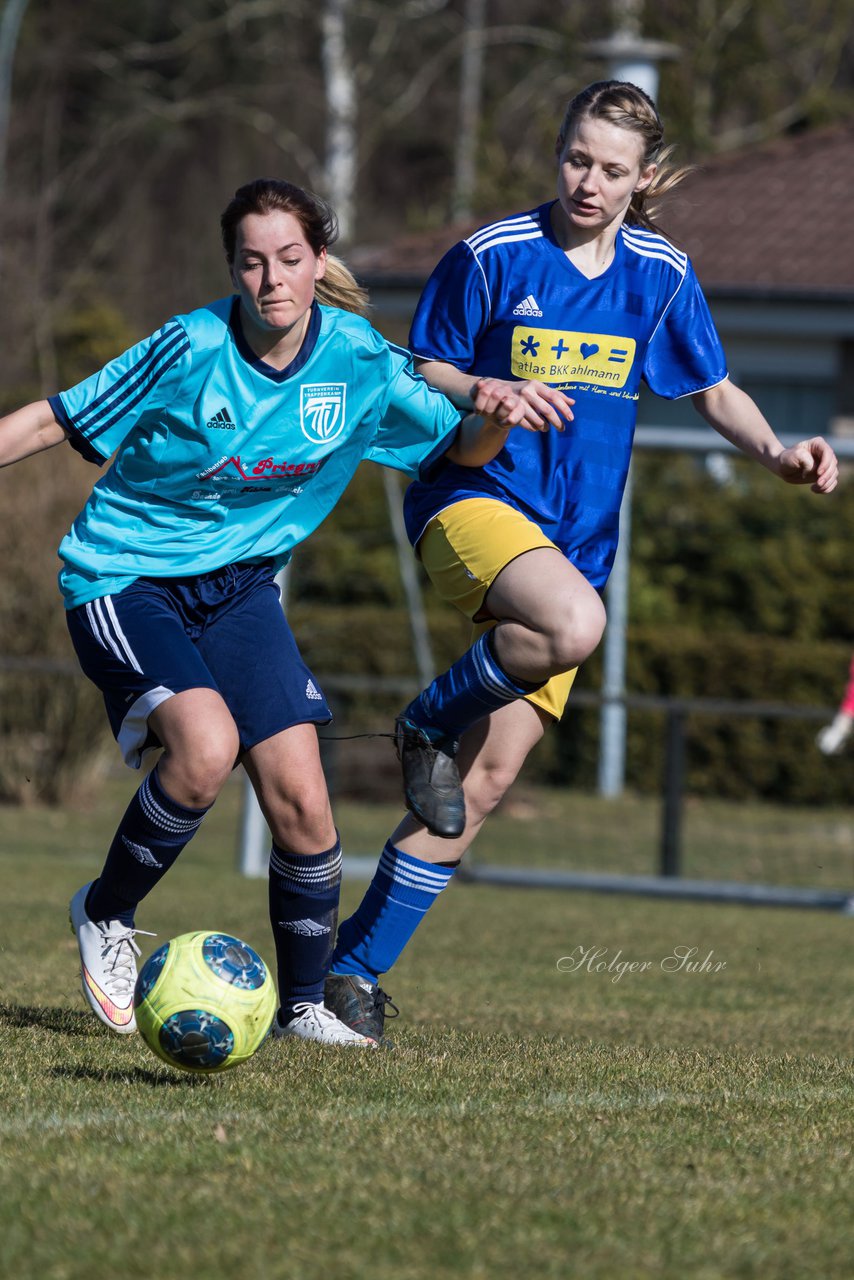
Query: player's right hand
{"x":541,"y":406}
{"x":493,"y":399}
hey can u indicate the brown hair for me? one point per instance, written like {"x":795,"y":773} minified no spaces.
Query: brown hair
{"x":628,"y":107}
{"x":337,"y":288}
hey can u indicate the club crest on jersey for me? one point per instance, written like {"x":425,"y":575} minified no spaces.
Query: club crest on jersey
{"x":321,"y":410}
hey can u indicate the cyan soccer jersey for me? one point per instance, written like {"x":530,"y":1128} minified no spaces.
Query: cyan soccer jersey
{"x":222,"y":458}
{"x":508,"y":303}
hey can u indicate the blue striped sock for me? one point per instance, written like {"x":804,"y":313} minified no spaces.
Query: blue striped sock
{"x":398,"y":898}
{"x":470,"y":689}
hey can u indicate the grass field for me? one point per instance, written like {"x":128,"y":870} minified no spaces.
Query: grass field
{"x":554,"y":1119}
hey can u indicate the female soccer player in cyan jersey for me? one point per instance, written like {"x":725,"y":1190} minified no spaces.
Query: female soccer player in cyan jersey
{"x":568,"y":305}
{"x":235,"y":430}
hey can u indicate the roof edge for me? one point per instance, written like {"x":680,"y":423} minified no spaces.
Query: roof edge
{"x":823,"y":294}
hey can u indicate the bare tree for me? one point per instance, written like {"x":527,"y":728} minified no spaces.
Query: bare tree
{"x":471,"y":93}
{"x":10,"y":26}
{"x":341,"y":129}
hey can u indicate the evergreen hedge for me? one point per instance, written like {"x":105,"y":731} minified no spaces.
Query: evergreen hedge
{"x":734,"y":757}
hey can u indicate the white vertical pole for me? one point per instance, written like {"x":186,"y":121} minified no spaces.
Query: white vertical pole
{"x":612,"y":718}
{"x":254,"y":835}
{"x":409,"y":578}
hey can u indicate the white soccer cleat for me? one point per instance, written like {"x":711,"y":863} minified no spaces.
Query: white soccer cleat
{"x":107,"y":965}
{"x":316,"y":1022}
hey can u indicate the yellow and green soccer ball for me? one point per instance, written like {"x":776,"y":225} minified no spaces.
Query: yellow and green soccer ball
{"x":204,"y":1002}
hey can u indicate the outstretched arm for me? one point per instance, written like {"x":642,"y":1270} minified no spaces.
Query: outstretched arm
{"x":736,"y":417}
{"x":27,"y":431}
{"x":483,"y":434}
{"x":542,"y":406}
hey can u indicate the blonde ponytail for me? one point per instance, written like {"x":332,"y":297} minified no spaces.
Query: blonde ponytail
{"x":339,"y":288}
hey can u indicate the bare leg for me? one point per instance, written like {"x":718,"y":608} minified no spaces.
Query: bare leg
{"x":288,"y":779}
{"x":550,"y":619}
{"x":200,"y":746}
{"x":415,"y":866}
{"x":491,"y":755}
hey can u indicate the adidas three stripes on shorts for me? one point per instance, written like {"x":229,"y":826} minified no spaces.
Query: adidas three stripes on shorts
{"x":224,"y":630}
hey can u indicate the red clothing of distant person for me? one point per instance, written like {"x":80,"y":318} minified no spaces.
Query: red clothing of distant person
{"x":847,"y":703}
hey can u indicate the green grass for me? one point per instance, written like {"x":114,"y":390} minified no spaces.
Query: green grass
{"x":530,"y":1121}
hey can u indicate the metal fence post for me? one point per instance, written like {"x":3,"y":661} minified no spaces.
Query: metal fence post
{"x":612,"y":715}
{"x":674,"y":780}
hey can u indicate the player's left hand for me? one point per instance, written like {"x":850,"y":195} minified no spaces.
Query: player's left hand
{"x":811,"y":462}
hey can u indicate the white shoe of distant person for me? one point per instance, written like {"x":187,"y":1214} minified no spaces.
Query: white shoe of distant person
{"x":832,"y":738}
{"x":316,"y":1022}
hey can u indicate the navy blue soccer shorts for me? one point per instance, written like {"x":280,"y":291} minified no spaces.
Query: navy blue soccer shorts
{"x":223,"y":630}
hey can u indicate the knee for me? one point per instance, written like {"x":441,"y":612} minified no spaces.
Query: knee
{"x":575,"y":633}
{"x":301,"y":820}
{"x":200,"y":773}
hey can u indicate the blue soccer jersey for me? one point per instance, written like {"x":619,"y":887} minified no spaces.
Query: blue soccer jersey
{"x":222,"y":458}
{"x":508,"y":303}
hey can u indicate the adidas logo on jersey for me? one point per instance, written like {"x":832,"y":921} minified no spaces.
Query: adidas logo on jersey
{"x":305,"y":928}
{"x":527,"y":307}
{"x":311,"y":691}
{"x":222,"y":420}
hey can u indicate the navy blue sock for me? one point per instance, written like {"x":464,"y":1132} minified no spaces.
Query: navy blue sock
{"x":153,"y":831}
{"x":397,"y":899}
{"x":473,"y":687}
{"x":304,"y":893}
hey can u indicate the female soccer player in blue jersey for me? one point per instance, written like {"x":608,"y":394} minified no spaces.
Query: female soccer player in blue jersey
{"x":569,"y":306}
{"x":235,"y":430}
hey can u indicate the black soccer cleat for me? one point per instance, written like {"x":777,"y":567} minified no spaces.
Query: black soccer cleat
{"x":431,"y":780}
{"x":360,"y":1005}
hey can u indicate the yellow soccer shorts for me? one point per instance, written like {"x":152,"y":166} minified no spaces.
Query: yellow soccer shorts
{"x":464,"y":548}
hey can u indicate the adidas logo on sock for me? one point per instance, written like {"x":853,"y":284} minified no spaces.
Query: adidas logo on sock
{"x":143,"y":855}
{"x":305,"y":928}
{"x":527,"y":307}
{"x":222,"y":420}
{"x":311,"y":691}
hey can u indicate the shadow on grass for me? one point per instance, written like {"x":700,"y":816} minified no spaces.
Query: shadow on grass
{"x":132,"y":1075}
{"x":66,"y":1022}
{"x":72,"y":1022}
